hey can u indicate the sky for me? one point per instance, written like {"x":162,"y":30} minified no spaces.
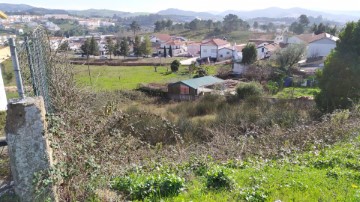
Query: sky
{"x":192,"y":5}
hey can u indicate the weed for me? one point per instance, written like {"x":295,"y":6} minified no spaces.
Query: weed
{"x":218,"y":178}
{"x":139,"y":187}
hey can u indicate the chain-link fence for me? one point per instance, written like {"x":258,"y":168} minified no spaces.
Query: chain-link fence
{"x":35,"y":57}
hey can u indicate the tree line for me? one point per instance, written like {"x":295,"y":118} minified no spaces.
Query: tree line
{"x":119,"y":47}
{"x":230,"y":23}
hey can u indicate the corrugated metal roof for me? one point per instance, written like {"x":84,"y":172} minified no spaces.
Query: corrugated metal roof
{"x":202,"y":81}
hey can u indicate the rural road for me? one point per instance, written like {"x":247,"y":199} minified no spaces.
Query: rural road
{"x":188,"y":61}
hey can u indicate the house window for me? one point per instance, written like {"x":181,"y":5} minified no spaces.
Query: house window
{"x":228,"y":52}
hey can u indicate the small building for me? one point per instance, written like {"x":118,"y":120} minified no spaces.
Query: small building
{"x":225,"y":53}
{"x":266,"y":50}
{"x":193,"y":48}
{"x":160,"y":38}
{"x":210,"y":48}
{"x":192,"y":88}
{"x":317,"y":45}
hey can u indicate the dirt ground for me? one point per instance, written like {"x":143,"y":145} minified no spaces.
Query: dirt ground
{"x":4,"y":53}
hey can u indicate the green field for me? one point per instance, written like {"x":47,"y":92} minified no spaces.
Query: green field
{"x":121,"y":77}
{"x":297,"y":92}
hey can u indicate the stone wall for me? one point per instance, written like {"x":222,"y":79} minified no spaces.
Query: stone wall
{"x":28,"y":147}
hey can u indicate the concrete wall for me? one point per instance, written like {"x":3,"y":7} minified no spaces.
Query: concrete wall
{"x":28,"y":146}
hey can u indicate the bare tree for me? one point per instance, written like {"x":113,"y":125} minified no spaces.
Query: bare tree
{"x":288,"y":57}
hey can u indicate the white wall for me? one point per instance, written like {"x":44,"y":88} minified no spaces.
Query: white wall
{"x":225,"y":54}
{"x":193,"y":49}
{"x":261,"y":51}
{"x":295,"y":40}
{"x":208,"y":51}
{"x":320,"y":48}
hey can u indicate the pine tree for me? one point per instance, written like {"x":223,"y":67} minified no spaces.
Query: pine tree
{"x":164,"y":51}
{"x":170,"y":51}
{"x":124,"y":47}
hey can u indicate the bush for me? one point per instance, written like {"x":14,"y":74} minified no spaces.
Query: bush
{"x":175,"y":66}
{"x":272,"y":87}
{"x":217,"y":178}
{"x":139,"y":187}
{"x":246,"y":90}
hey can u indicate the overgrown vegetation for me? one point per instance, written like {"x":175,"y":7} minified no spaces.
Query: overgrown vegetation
{"x":339,"y":81}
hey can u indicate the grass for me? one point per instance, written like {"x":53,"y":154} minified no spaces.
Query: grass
{"x":7,"y":67}
{"x":11,"y":95}
{"x":2,"y":123}
{"x":329,"y":174}
{"x":297,"y":92}
{"x":127,"y":78}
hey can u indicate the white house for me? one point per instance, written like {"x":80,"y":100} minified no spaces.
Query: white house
{"x":265,"y":50}
{"x":178,"y":47}
{"x":225,"y":53}
{"x":317,"y":45}
{"x":321,"y":46}
{"x":210,"y":48}
{"x":237,"y":67}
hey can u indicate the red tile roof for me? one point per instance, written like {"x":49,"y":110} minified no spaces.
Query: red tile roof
{"x":163,"y":37}
{"x":174,"y":42}
{"x":216,"y":42}
{"x":272,"y":47}
{"x":309,"y":38}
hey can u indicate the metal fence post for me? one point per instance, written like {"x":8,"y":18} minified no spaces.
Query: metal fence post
{"x":15,"y":62}
{"x":31,"y":66}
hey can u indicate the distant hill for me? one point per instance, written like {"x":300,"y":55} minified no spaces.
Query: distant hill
{"x":14,"y":7}
{"x":23,"y":8}
{"x":202,"y":15}
{"x":43,"y":11}
{"x":99,"y":13}
{"x":274,"y":12}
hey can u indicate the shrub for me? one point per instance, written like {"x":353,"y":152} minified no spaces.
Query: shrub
{"x":340,"y":116}
{"x":245,"y":90}
{"x":175,"y":66}
{"x":139,"y":187}
{"x":218,"y":178}
{"x":272,"y":87}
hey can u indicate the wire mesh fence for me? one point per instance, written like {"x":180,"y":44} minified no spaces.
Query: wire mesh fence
{"x":35,"y":61}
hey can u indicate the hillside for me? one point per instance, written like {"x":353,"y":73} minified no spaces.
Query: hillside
{"x":202,"y":15}
{"x":99,"y":13}
{"x":5,"y":7}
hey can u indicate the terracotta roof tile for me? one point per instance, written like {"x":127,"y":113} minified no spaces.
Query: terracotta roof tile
{"x":217,"y":42}
{"x":163,"y":37}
